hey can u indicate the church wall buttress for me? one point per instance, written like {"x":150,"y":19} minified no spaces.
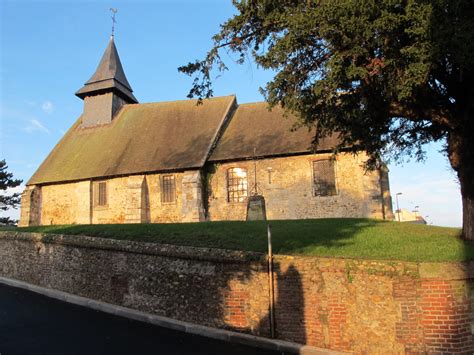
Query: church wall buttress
{"x":30,"y":214}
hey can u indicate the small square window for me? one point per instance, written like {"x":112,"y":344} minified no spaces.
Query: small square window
{"x":168,"y":189}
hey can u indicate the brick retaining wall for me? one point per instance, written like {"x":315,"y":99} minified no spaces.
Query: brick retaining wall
{"x":343,"y":304}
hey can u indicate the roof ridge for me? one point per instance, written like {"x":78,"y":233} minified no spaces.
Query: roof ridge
{"x":253,"y":103}
{"x":182,"y":100}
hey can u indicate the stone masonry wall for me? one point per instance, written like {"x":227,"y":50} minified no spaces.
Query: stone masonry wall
{"x":361,"y":306}
{"x":286,"y":183}
{"x":65,"y":203}
{"x":130,"y":199}
{"x":123,"y":201}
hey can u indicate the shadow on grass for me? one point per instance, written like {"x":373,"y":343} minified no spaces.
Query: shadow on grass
{"x":291,"y":237}
{"x":288,"y":235}
{"x":347,"y":237}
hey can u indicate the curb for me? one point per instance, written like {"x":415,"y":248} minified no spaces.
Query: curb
{"x":186,"y":327}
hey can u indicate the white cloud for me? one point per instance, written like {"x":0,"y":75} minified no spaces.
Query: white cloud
{"x":14,"y":190}
{"x":35,"y":125}
{"x":30,"y":103}
{"x":13,"y":213}
{"x":47,"y":107}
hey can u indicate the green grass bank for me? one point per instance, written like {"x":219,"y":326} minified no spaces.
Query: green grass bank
{"x":340,"y":238}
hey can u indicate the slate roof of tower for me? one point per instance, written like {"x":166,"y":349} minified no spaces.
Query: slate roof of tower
{"x":254,"y":126}
{"x":109,"y":75}
{"x":150,"y":137}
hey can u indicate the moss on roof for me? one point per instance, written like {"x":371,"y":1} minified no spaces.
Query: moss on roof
{"x":269,"y":132}
{"x":142,"y":138}
{"x":175,"y":135}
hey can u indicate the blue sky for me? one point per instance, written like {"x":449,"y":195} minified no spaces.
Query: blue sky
{"x":50,"y":48}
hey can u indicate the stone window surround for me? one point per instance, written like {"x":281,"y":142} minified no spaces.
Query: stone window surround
{"x":95,"y":194}
{"x":229,"y":201}
{"x":162,"y":184}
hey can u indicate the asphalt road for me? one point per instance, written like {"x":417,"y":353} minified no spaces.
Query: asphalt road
{"x":34,"y":324}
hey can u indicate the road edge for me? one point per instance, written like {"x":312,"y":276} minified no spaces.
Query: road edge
{"x":165,"y":322}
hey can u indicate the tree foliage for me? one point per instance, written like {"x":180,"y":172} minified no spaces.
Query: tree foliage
{"x":11,"y":200}
{"x":388,"y":75}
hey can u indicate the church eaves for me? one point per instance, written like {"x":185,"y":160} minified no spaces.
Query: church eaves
{"x":109,"y":76}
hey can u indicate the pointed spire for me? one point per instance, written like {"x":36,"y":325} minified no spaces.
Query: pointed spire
{"x":109,"y":76}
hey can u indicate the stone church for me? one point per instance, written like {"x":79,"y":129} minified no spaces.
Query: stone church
{"x":126,"y":162}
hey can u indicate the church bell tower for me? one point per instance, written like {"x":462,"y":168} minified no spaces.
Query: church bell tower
{"x":106,"y":91}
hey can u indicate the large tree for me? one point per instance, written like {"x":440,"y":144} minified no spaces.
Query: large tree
{"x":388,"y":75}
{"x":8,"y":201}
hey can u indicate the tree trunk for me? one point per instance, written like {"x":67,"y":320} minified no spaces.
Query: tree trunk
{"x":461,"y":157}
{"x":466,"y":179}
{"x":468,"y":218}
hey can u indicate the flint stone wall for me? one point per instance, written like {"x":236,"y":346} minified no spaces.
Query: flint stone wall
{"x":361,"y":306}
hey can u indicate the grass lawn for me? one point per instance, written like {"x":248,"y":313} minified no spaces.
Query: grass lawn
{"x":351,"y":238}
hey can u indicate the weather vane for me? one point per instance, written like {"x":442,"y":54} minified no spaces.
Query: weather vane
{"x":114,"y":11}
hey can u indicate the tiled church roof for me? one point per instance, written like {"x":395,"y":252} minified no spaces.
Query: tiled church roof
{"x":167,"y":136}
{"x":142,"y":138}
{"x":170,"y":136}
{"x":269,"y":132}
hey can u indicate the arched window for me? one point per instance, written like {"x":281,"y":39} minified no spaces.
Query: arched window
{"x":237,"y":186}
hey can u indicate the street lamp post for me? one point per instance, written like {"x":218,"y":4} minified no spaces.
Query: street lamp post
{"x":398,"y":207}
{"x":415,"y":211}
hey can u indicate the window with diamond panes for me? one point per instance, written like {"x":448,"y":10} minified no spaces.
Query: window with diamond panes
{"x":237,"y":185}
{"x":168,"y":189}
{"x":324,"y":178}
